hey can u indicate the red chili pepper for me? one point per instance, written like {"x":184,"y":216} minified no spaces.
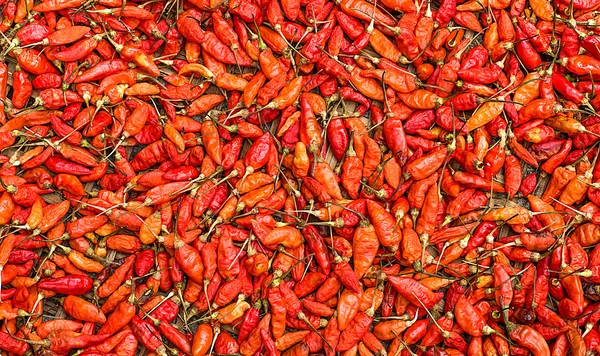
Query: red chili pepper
{"x":72,"y":285}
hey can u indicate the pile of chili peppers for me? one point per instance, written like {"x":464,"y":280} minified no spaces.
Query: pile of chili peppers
{"x":295,"y":177}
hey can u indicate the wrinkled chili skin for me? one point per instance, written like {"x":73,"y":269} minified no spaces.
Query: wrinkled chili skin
{"x":74,"y":285}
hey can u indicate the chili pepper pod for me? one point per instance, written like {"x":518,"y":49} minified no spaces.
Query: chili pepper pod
{"x":75,"y":285}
